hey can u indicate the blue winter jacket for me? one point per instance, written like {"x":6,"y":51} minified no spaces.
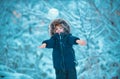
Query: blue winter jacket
{"x":63,"y":54}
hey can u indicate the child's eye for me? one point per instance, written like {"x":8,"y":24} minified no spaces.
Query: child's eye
{"x":56,"y":29}
{"x":61,"y":28}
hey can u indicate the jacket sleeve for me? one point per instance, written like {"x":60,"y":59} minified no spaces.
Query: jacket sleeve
{"x":49,"y":42}
{"x":72,"y":40}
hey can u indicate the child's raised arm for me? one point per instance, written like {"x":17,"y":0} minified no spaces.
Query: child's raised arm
{"x":81,"y":42}
{"x":43,"y":45}
{"x":49,"y":43}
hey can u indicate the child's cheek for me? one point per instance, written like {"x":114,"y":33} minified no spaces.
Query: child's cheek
{"x":56,"y":31}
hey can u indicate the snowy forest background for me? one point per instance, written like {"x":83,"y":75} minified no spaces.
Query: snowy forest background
{"x":24,"y":24}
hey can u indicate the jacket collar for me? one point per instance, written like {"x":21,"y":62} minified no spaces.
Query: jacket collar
{"x":61,"y":35}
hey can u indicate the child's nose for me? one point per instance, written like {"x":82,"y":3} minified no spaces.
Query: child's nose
{"x":58,"y":29}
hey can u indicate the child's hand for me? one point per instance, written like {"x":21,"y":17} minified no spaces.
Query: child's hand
{"x":43,"y":45}
{"x":81,"y":42}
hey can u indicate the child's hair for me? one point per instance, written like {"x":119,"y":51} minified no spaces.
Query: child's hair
{"x":58,"y":22}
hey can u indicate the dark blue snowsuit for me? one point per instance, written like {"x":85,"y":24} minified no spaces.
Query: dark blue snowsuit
{"x":63,"y":55}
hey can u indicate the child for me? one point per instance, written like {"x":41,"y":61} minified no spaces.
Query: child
{"x":63,"y":54}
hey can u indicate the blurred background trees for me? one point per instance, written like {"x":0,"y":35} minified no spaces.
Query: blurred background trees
{"x":24,"y":24}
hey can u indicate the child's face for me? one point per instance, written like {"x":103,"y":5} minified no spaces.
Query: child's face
{"x":59,"y":29}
